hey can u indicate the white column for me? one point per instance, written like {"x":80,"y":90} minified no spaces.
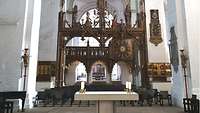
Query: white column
{"x":193,"y":33}
{"x":178,"y":89}
{"x":35,"y":10}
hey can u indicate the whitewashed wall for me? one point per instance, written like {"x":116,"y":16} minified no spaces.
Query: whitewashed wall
{"x":192,"y":10}
{"x":184,"y":15}
{"x":48,"y":30}
{"x":162,"y":86}
{"x":158,"y":53}
{"x":41,"y":86}
{"x":19,"y":28}
{"x":11,"y":28}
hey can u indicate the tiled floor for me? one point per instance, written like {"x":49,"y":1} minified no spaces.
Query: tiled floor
{"x":119,"y":109}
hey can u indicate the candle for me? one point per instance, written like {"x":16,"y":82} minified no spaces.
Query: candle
{"x":126,"y":85}
{"x":82,"y":85}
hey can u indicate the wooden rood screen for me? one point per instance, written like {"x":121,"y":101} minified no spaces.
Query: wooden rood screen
{"x":128,"y":42}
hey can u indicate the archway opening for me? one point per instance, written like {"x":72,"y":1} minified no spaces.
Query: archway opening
{"x":79,"y":42}
{"x":80,"y":72}
{"x":75,"y":72}
{"x":126,"y":74}
{"x":98,"y":72}
{"x":116,"y":73}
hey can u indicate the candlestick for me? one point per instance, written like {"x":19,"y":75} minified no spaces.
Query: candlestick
{"x":25,"y":58}
{"x":184,"y":66}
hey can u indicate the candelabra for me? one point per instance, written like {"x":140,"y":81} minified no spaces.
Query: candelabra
{"x":184,"y":66}
{"x":25,"y":58}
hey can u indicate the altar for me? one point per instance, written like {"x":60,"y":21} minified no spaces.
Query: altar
{"x":105,"y":99}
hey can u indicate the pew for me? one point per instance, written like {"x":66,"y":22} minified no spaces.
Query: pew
{"x":55,"y":95}
{"x":63,"y":94}
{"x":6,"y":106}
{"x":147,"y":94}
{"x":165,"y":95}
{"x":14,"y":95}
{"x":191,"y":105}
{"x":41,"y":97}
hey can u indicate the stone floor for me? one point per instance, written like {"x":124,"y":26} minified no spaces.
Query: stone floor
{"x":119,"y":109}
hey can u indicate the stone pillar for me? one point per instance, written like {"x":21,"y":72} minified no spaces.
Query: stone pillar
{"x":178,"y":89}
{"x":33,"y":16}
{"x":192,"y":11}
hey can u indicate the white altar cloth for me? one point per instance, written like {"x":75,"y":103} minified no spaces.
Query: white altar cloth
{"x":104,"y":99}
{"x":106,"y":95}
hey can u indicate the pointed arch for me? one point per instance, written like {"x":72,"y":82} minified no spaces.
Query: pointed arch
{"x":116,"y":72}
{"x":98,"y":71}
{"x":78,"y":42}
{"x":76,"y":71}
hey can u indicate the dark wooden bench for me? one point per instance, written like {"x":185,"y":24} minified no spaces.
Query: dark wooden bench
{"x":40,"y":98}
{"x":164,"y":95}
{"x":191,"y":105}
{"x":147,"y":94}
{"x":56,"y":96}
{"x":8,"y":105}
{"x":61,"y":95}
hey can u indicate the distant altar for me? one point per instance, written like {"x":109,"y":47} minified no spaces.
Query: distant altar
{"x":105,"y":99}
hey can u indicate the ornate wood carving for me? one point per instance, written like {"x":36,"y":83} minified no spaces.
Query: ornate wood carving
{"x":155,"y":28}
{"x":127,"y":15}
{"x":124,"y":38}
{"x":159,"y":70}
{"x":122,"y":49}
{"x":45,"y":70}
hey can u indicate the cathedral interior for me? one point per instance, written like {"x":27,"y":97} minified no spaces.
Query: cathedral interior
{"x":104,"y":56}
